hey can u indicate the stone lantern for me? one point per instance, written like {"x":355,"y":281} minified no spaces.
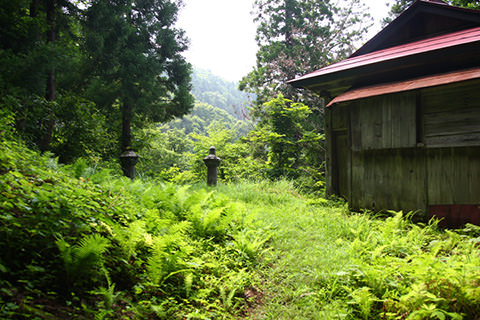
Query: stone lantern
{"x":212,"y":162}
{"x":128,"y":159}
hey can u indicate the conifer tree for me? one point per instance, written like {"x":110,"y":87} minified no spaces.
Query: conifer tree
{"x":36,"y":34}
{"x":296,"y":37}
{"x":135,"y":63}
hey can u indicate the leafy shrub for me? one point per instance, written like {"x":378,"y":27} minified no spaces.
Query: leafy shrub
{"x":116,"y":248}
{"x":399,"y":269}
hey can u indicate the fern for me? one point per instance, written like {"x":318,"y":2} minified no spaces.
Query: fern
{"x":248,"y":243}
{"x":89,"y":251}
{"x":79,"y":167}
{"x":130,"y":237}
{"x":364,"y":299}
{"x":82,"y":261}
{"x":207,"y":222}
{"x":108,"y":294}
{"x":188,"y":282}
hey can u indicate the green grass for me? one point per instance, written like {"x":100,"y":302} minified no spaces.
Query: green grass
{"x":328,"y":263}
{"x":79,"y":243}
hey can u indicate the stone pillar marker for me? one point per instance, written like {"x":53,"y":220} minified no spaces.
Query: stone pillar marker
{"x":212,"y":162}
{"x":128,"y":159}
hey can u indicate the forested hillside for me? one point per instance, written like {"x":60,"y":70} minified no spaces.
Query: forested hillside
{"x":212,"y":89}
{"x":218,"y":103}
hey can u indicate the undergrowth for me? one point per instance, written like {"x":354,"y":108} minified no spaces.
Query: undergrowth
{"x":80,"y":243}
{"x":329,"y":263}
{"x":113,"y":249}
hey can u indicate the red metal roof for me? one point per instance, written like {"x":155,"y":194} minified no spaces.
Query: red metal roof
{"x":409,"y":49}
{"x":422,"y":10}
{"x":401,"y":86}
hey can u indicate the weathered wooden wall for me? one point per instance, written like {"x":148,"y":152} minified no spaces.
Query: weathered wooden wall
{"x":389,"y":179}
{"x":407,"y":151}
{"x":385,"y":122}
{"x":453,"y":176}
{"x":452,"y":115}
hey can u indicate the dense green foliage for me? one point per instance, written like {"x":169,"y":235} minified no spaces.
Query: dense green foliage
{"x":77,"y":74}
{"x":289,"y":143}
{"x":204,"y":115}
{"x":215,"y":91}
{"x":110,"y":249}
{"x":176,"y":156}
{"x":283,"y":144}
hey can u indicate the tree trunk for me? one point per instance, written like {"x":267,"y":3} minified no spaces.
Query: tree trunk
{"x":288,"y":24}
{"x":126,"y":139}
{"x":51,"y":40}
{"x":127,"y":158}
{"x":51,"y":88}
{"x":289,"y":44}
{"x":34,"y":8}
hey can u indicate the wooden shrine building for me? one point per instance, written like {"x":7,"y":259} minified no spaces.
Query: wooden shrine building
{"x":403,"y":116}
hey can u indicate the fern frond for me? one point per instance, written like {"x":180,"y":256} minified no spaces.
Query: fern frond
{"x":90,"y":249}
{"x":65,"y":251}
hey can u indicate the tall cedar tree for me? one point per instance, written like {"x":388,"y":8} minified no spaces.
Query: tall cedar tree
{"x":401,"y":5}
{"x":297,"y":37}
{"x":135,"y":65}
{"x":30,"y":54}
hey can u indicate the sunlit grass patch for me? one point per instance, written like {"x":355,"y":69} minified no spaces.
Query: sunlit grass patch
{"x":328,"y":263}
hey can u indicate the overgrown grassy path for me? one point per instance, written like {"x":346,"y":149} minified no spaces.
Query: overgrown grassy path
{"x":326,"y":263}
{"x":304,"y":252}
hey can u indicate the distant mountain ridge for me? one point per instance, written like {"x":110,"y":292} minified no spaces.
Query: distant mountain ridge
{"x":220,"y":93}
{"x":219,"y":104}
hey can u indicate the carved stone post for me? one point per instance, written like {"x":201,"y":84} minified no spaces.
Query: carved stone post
{"x":212,"y":162}
{"x":128,"y":159}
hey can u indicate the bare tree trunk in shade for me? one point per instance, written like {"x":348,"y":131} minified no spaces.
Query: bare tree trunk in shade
{"x":51,"y":88}
{"x":126,"y":139}
{"x":128,"y":158}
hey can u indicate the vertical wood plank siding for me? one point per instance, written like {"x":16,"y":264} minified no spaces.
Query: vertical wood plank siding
{"x":384,"y":122}
{"x":407,"y":151}
{"x":388,"y":179}
{"x":452,"y":115}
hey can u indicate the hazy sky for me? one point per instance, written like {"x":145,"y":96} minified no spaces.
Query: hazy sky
{"x":222,"y":34}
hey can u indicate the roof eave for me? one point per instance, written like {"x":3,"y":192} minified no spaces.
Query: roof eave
{"x":404,"y":19}
{"x":340,"y":76}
